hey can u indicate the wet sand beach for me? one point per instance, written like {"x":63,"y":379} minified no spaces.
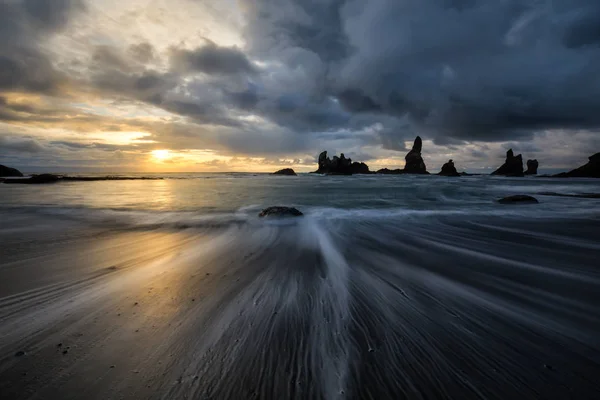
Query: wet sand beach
{"x":346,"y":303}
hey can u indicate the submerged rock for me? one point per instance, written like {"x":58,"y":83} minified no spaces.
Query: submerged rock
{"x":513,"y":166}
{"x":589,"y":170}
{"x":285,"y":171}
{"x":387,"y":171}
{"x":340,"y":165}
{"x":517,"y":199}
{"x":9,"y":172}
{"x":532,"y":166}
{"x":280,"y":211}
{"x":414,"y":161}
{"x":449,"y":169}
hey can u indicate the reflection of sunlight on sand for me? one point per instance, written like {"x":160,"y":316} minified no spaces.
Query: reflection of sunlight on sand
{"x":131,"y":268}
{"x":134,"y":282}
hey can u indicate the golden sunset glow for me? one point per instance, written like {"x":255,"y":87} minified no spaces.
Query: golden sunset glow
{"x":161,"y":154}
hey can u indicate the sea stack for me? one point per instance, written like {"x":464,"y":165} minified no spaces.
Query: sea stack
{"x":532,"y":166}
{"x":589,"y":170}
{"x":449,"y":169}
{"x":340,"y":165}
{"x":414,"y":161}
{"x":513,"y":166}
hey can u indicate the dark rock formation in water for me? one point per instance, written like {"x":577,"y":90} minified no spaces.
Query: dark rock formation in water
{"x":513,"y":166}
{"x":285,"y":171}
{"x":340,"y":165}
{"x":589,"y":170}
{"x":518,"y":199}
{"x":9,"y":172}
{"x":532,"y":166}
{"x":414,"y":161}
{"x":449,"y":169}
{"x":280,"y":211}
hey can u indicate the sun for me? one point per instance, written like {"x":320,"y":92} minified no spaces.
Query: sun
{"x":161,"y":154}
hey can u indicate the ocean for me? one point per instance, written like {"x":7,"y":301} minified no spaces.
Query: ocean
{"x":389,"y":287}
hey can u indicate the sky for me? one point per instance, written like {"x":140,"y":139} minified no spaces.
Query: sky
{"x":258,"y":85}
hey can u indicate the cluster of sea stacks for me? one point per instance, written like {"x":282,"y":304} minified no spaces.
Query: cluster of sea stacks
{"x":340,"y":165}
{"x":513,"y":166}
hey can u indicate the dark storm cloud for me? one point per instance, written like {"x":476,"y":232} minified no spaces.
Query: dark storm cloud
{"x":10,"y":144}
{"x":316,"y":26}
{"x":212,"y":59}
{"x":24,"y":25}
{"x":303,"y":114}
{"x":456,"y":70}
{"x":583,"y":27}
{"x":245,"y":99}
{"x":202,"y":113}
{"x":51,"y":14}
{"x":144,"y":85}
{"x":205,"y":101}
{"x":353,"y":100}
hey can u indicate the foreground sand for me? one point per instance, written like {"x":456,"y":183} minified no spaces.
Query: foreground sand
{"x":97,"y":314}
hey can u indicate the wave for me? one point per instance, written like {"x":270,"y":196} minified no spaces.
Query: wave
{"x":123,"y":218}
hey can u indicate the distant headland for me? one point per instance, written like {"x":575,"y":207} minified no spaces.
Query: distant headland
{"x":16,"y":177}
